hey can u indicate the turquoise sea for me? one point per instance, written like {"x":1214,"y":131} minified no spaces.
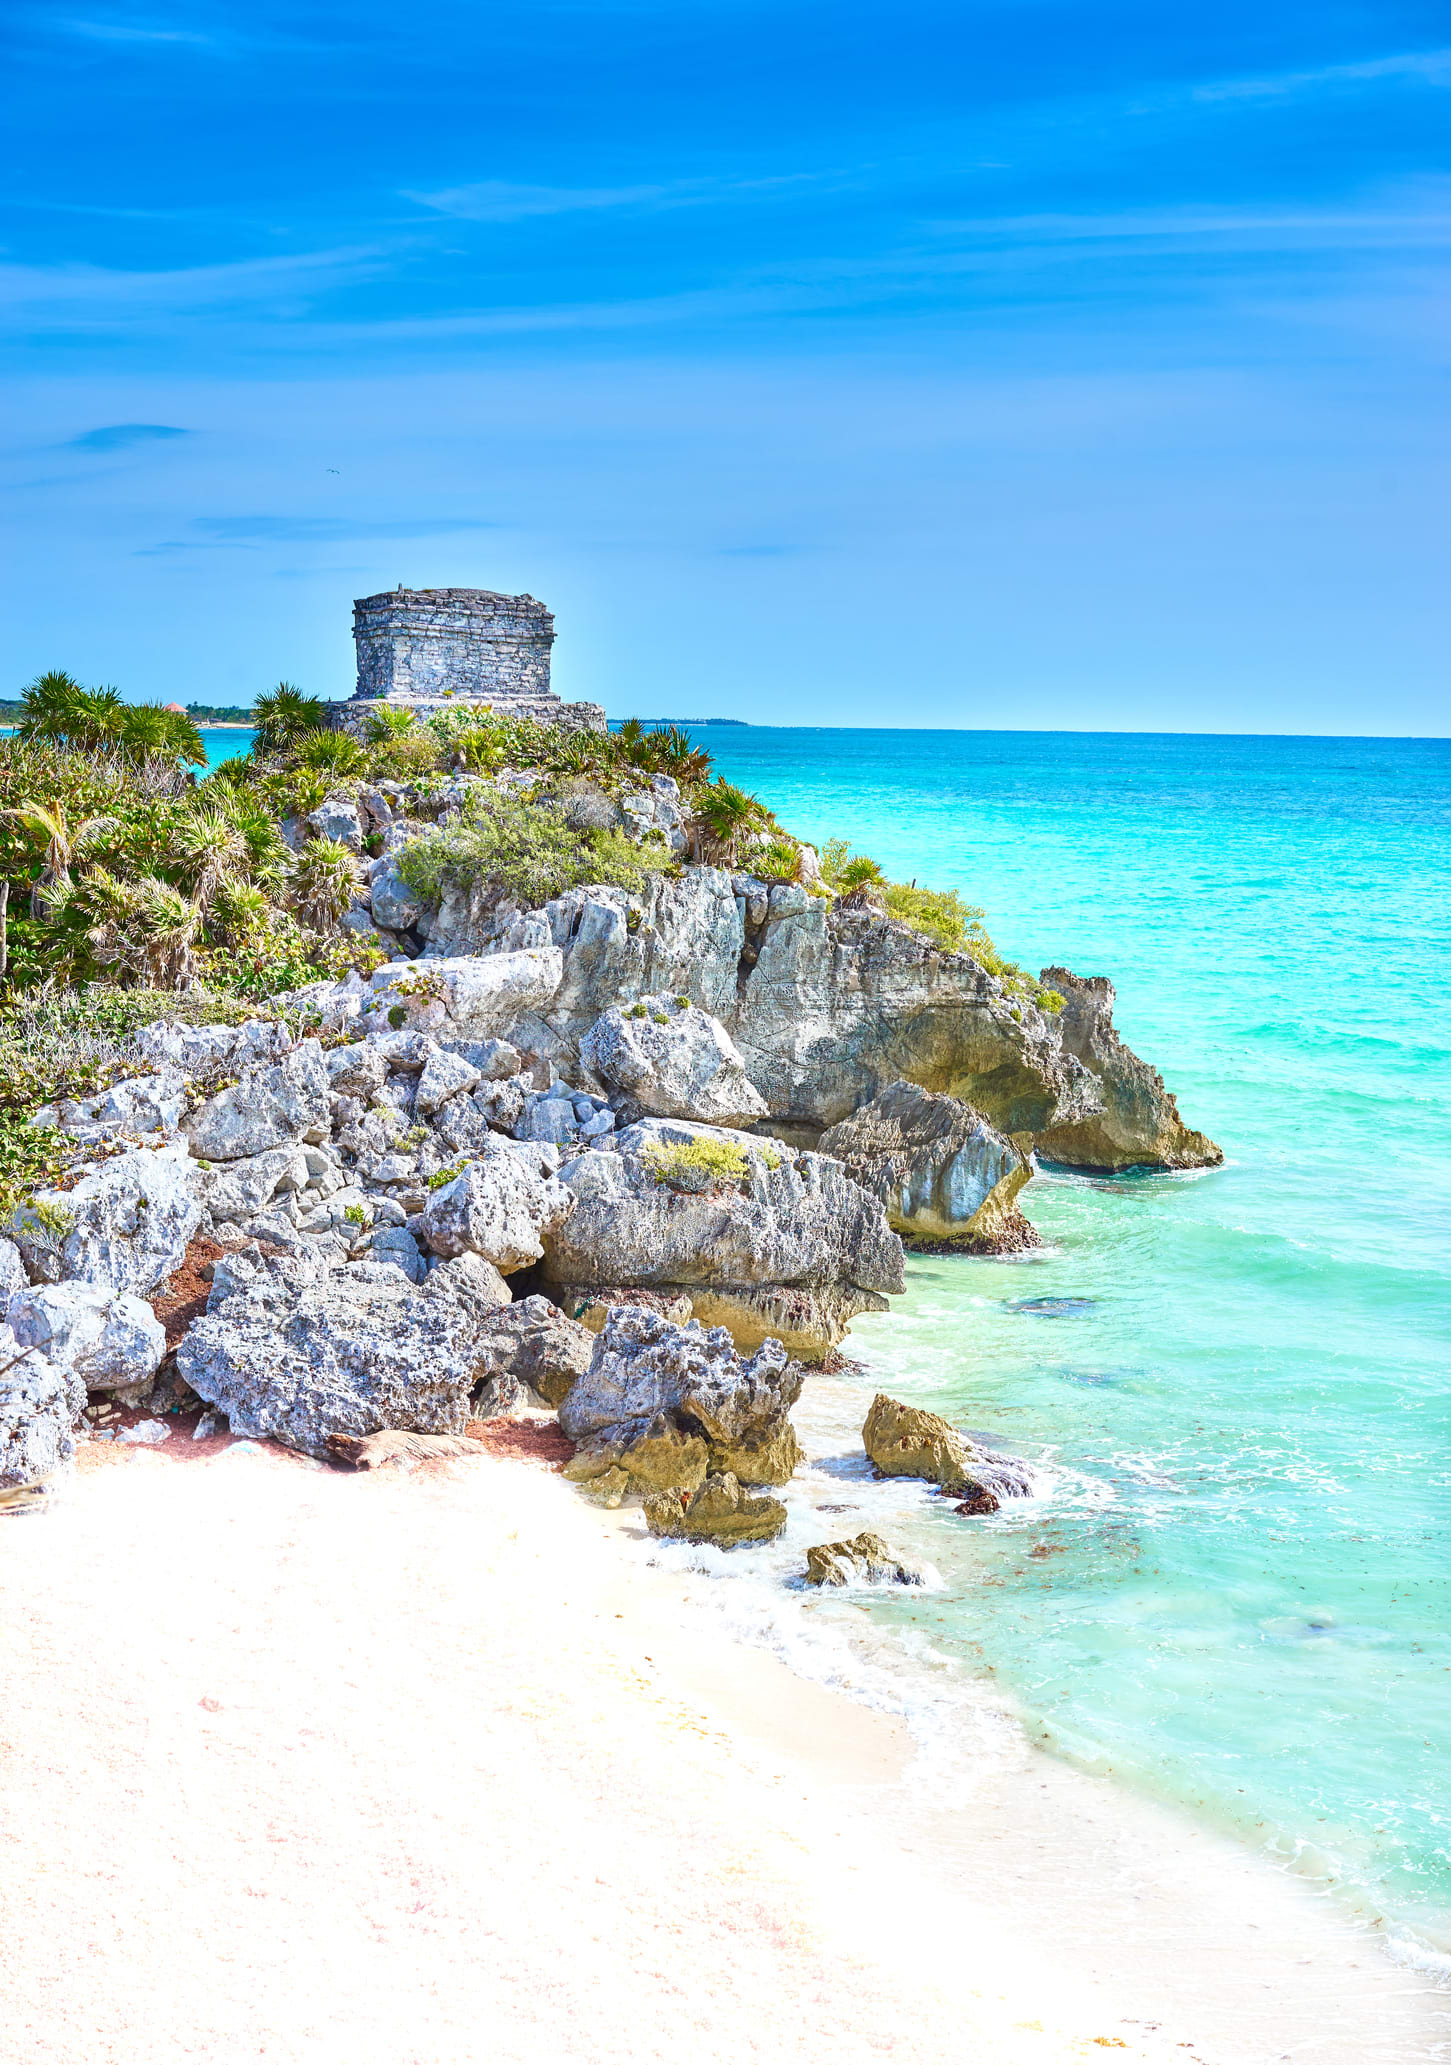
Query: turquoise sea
{"x":1237,"y":1595}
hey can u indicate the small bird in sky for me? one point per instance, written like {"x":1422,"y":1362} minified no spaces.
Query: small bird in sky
{"x":335,"y":469}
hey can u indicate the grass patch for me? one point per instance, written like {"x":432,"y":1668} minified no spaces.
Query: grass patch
{"x":700,"y":1165}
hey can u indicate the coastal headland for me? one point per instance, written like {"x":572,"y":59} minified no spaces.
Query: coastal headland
{"x":458,"y":1141}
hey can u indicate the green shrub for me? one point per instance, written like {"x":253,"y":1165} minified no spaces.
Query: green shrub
{"x":521,"y":851}
{"x":699,"y":1165}
{"x":441,"y":1176}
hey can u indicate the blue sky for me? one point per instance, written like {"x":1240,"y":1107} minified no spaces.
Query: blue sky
{"x":1009,"y":365}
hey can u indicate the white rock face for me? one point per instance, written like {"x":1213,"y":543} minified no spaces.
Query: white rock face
{"x":937,"y":1165}
{"x":392,"y":902}
{"x":443,"y":1076}
{"x":468,"y":997}
{"x":238,"y":1190}
{"x":40,"y":1404}
{"x":268,"y":1108}
{"x":678,"y":1063}
{"x":188,"y":1049}
{"x":109,"y":1341}
{"x":132,"y":1219}
{"x":336,"y":817}
{"x":12,"y":1270}
{"x":498,"y":1208}
{"x":148,"y":1104}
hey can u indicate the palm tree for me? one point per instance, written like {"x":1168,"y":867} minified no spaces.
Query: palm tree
{"x":58,"y":708}
{"x":284,"y":716}
{"x":727,"y":812}
{"x":150,"y":732}
{"x":48,"y":823}
{"x":330,"y":752}
{"x":385,"y":725}
{"x":148,"y":929}
{"x":324,"y":877}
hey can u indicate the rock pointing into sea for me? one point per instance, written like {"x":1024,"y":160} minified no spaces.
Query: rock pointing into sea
{"x":941,"y":1171}
{"x":905,"y":1441}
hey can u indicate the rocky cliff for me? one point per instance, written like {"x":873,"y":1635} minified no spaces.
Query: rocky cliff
{"x":830,"y":1005}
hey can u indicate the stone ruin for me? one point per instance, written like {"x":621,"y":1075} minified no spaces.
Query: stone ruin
{"x":432,"y":649}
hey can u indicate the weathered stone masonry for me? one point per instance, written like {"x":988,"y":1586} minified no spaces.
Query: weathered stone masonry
{"x":429,"y":649}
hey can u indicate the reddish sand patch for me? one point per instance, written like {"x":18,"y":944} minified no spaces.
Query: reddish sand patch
{"x":531,"y":1441}
{"x":183,"y":1297}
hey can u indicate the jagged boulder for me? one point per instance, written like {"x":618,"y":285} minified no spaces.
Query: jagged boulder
{"x":721,"y":1511}
{"x":661,"y":1389}
{"x":464,"y":996}
{"x":864,"y":1560}
{"x":299,"y":1353}
{"x":532,"y":1343}
{"x":40,"y":1406}
{"x":655,"y":1456}
{"x":683,"y":1208}
{"x":268,"y":1108}
{"x":1139,"y":1123}
{"x":125,"y":1226}
{"x":941,"y":1171}
{"x":111,"y":1341}
{"x":499,"y":1207}
{"x":906,"y":1441}
{"x":239,"y":1190}
{"x":674,"y":1061}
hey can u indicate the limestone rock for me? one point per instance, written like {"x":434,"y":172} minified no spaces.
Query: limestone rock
{"x":336,"y":817}
{"x":720,"y":1512}
{"x":939,"y":1168}
{"x":301,"y":1354}
{"x":533,"y":1343}
{"x":665,"y":1403}
{"x":674,"y":1062}
{"x":130,"y":1221}
{"x":444,"y":1075}
{"x":396,"y":1245}
{"x":656,"y":1456}
{"x":794,"y":1219}
{"x":591,"y":1307}
{"x":393,"y":903}
{"x":499,"y":1208}
{"x":12,"y":1271}
{"x":466,"y":997}
{"x":864,"y":1560}
{"x":906,"y":1441}
{"x":234,"y":1191}
{"x":808,"y":1320}
{"x":1139,"y":1122}
{"x":471,"y":1283}
{"x":199,"y":1050}
{"x":268,"y":1108}
{"x":359,"y":1069}
{"x":111,"y":1341}
{"x":40,"y":1406}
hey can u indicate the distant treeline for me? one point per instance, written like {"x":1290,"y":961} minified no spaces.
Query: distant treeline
{"x":218,"y":713}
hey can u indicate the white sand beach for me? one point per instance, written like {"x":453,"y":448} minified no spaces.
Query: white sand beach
{"x":422,"y":1767}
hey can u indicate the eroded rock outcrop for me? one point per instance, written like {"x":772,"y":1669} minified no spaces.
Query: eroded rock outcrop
{"x":673,"y":1061}
{"x":721,"y":1511}
{"x":40,"y":1406}
{"x":110,"y":1340}
{"x":665,"y":1404}
{"x":906,"y":1441}
{"x":125,"y":1226}
{"x":294,"y":1351}
{"x":1139,"y":1123}
{"x":941,"y":1171}
{"x":771,"y":1219}
{"x":498,"y":1207}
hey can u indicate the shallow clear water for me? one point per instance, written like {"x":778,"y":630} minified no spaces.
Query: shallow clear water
{"x":1236,"y":1594}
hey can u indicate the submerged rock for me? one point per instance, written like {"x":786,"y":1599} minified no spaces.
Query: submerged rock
{"x":864,"y":1560}
{"x":720,"y":1512}
{"x":941,"y":1171}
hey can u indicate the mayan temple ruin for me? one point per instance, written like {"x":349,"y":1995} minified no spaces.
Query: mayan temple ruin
{"x":432,"y":649}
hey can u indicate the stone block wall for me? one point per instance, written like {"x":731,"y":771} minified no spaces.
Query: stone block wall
{"x":416,"y":643}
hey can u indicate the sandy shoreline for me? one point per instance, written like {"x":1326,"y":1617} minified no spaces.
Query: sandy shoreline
{"x":429,"y":1767}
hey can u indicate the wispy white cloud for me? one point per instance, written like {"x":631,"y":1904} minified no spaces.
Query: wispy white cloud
{"x":133,"y":32}
{"x":93,"y":297}
{"x":499,"y":200}
{"x":1429,"y":67}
